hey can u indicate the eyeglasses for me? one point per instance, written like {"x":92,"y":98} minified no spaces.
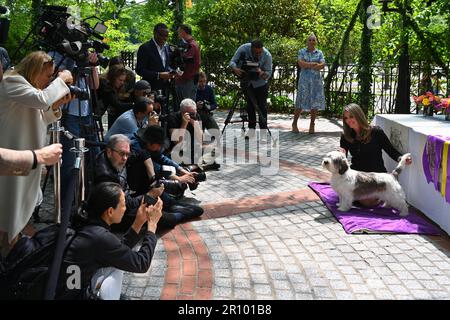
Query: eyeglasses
{"x":122,"y":153}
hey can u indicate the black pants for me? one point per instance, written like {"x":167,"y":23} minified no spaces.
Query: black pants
{"x":257,"y":96}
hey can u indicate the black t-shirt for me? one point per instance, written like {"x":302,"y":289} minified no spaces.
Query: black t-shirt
{"x":367,"y":157}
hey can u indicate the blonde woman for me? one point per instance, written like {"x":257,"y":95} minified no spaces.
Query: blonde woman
{"x":310,"y":94}
{"x":29,"y":103}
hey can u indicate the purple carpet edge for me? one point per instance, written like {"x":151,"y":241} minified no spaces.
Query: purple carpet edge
{"x":373,"y":220}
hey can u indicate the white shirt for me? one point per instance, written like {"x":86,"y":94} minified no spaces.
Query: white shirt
{"x":162,"y":53}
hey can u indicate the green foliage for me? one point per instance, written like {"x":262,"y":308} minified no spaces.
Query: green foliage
{"x":280,"y":104}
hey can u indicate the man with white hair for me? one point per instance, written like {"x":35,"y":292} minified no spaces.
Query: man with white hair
{"x":187,"y":119}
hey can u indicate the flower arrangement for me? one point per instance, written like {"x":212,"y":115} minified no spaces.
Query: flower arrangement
{"x":429,"y":103}
{"x":444,"y":106}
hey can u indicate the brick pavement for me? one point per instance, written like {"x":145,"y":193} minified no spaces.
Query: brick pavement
{"x":270,"y":237}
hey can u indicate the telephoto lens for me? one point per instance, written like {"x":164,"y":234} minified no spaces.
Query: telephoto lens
{"x":199,"y":176}
{"x":80,"y":94}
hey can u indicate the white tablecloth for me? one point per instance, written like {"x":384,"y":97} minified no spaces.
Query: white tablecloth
{"x":408,"y":133}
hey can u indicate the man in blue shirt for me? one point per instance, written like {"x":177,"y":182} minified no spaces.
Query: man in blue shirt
{"x":77,"y":114}
{"x":254,"y":80}
{"x":132,"y":120}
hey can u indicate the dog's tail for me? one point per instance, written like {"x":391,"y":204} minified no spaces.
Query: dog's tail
{"x":401,"y":165}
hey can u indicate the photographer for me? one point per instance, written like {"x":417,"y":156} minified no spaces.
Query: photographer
{"x":77,"y":116}
{"x":146,"y":149}
{"x":186,"y":119}
{"x":186,"y":84}
{"x":30,"y":101}
{"x":134,"y":119}
{"x":254,"y":80}
{"x":130,"y":80}
{"x":153,"y":59}
{"x":102,"y":256}
{"x":206,"y":103}
{"x":108,"y":92}
{"x":111,"y":166}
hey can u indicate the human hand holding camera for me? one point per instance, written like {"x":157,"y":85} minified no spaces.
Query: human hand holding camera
{"x":156,"y":192}
{"x":153,"y":118}
{"x":154,"y":213}
{"x":148,"y":213}
{"x":237,"y":71}
{"x":66,"y":76}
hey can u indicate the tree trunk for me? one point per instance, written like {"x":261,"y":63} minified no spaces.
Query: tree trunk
{"x":334,"y":66}
{"x":365,"y":61}
{"x":402,"y":97}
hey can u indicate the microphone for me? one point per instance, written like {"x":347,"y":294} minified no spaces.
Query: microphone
{"x":3,"y":10}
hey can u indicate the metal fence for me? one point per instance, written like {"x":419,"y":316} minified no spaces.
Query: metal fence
{"x":344,"y":89}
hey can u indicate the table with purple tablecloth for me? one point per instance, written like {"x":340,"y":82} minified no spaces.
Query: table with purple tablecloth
{"x":409,"y":133}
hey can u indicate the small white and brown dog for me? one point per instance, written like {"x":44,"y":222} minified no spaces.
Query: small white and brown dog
{"x":353,"y":185}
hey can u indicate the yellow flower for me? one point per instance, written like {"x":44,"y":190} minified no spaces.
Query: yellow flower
{"x":425,"y":101}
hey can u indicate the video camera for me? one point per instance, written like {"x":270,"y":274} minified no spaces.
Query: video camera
{"x":177,"y":59}
{"x":249,"y":67}
{"x":59,"y":31}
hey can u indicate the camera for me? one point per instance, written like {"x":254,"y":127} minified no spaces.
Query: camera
{"x":249,"y":67}
{"x":205,"y":105}
{"x":177,"y":59}
{"x":172,"y":187}
{"x":80,"y":94}
{"x":58,"y":31}
{"x":149,"y":200}
{"x":199,"y":176}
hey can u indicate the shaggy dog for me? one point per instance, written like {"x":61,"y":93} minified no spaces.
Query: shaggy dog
{"x":353,"y":185}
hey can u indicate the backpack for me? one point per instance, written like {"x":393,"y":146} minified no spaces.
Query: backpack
{"x":25,"y":271}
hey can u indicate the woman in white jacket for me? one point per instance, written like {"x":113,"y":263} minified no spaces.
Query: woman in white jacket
{"x":28,"y":103}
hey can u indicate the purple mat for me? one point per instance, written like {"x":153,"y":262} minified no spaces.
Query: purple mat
{"x":373,"y":220}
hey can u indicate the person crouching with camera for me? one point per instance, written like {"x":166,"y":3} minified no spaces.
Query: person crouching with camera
{"x":99,"y":254}
{"x":254,"y":80}
{"x":30,"y":101}
{"x":206,"y":103}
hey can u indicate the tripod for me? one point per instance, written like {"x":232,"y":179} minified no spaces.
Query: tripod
{"x":250,"y":97}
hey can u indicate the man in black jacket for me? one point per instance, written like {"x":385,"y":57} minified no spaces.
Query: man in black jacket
{"x":153,"y":59}
{"x":111,"y":167}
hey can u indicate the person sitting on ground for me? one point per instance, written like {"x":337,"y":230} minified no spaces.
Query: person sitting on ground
{"x":110,"y":166}
{"x":206,"y":103}
{"x":365,"y":144}
{"x":130,"y":121}
{"x":99,"y":254}
{"x":186,"y":121}
{"x":146,"y":145}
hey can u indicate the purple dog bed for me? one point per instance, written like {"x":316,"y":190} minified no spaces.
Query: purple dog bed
{"x":373,"y":220}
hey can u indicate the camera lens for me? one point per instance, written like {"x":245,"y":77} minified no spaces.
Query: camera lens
{"x":200,"y":177}
{"x":80,"y":94}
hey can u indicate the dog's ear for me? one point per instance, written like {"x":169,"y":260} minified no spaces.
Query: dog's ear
{"x":343,"y":166}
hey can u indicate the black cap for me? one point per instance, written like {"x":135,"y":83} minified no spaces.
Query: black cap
{"x":151,"y":134}
{"x":142,"y":85}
